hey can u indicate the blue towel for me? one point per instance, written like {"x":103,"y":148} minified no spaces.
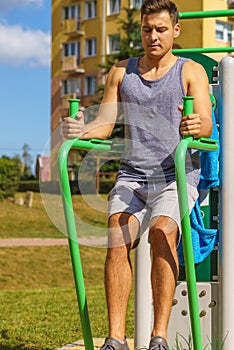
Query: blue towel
{"x":210,"y":163}
{"x":204,"y":240}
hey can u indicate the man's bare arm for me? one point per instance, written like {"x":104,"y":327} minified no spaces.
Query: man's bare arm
{"x":198,"y":124}
{"x":103,"y":124}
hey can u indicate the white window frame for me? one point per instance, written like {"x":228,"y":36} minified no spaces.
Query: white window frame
{"x":90,"y":47}
{"x":90,"y":9}
{"x":90,"y":85}
{"x":113,"y":42}
{"x":226,"y":30}
{"x":136,"y":3}
{"x":114,"y":7}
{"x":71,"y":86}
{"x":76,"y":8}
{"x":69,"y":48}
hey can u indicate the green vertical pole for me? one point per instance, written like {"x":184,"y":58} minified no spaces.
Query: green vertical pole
{"x":72,"y":234}
{"x":180,"y":162}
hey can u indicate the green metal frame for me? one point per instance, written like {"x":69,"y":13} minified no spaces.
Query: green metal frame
{"x":202,"y":144}
{"x":70,"y":221}
{"x":206,"y":14}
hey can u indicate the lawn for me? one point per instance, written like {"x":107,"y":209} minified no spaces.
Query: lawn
{"x":37,"y":296}
{"x":46,"y":218}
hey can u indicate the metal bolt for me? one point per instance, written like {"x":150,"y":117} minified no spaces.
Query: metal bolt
{"x":203,"y":313}
{"x":202,"y":293}
{"x":184,"y":312}
{"x":174,"y":302}
{"x":184,"y":292}
{"x":212,"y":303}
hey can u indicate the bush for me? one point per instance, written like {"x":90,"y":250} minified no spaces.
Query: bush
{"x":9,"y":176}
{"x":29,"y":185}
{"x":106,"y":185}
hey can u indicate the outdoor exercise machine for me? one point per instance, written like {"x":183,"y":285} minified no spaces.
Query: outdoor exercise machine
{"x":143,"y":320}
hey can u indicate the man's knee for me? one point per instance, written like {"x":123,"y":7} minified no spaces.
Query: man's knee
{"x":163,"y":231}
{"x":123,"y":229}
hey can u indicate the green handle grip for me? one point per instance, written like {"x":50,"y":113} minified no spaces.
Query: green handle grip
{"x":73,"y":107}
{"x":188,"y":107}
{"x":188,"y":104}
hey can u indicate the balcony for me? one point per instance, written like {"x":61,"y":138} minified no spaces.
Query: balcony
{"x":72,"y":26}
{"x":70,"y":65}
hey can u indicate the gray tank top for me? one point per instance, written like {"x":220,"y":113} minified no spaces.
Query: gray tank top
{"x":152,"y":122}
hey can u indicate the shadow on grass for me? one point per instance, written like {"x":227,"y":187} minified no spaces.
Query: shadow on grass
{"x":16,"y":347}
{"x":4,"y":335}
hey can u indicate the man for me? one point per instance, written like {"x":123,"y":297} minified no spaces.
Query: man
{"x":145,"y":186}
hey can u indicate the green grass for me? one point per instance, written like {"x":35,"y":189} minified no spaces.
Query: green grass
{"x":37,"y":297}
{"x":38,"y":305}
{"x":47,"y":267}
{"x":20,"y":221}
{"x":36,"y":320}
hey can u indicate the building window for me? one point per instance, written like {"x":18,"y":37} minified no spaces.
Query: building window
{"x":231,"y":4}
{"x":71,"y":86}
{"x":113,"y":42}
{"x":113,"y":7}
{"x":72,"y":49}
{"x":136,"y":3}
{"x":72,"y":11}
{"x":90,"y":47}
{"x":90,"y":9}
{"x":224,"y":31}
{"x":90,"y":86}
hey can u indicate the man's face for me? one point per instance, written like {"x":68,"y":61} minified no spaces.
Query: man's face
{"x":158,"y":33}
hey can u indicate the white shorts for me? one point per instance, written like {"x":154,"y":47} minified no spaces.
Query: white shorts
{"x":146,"y":201}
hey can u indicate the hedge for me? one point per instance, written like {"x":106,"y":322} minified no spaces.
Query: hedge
{"x":9,"y":177}
{"x":54,"y":186}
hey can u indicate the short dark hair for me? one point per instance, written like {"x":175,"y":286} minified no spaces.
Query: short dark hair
{"x":155,"y":6}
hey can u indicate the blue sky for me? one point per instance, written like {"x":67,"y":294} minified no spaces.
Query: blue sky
{"x":25,"y":41}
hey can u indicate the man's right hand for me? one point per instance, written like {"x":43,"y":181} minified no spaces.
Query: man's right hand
{"x":73,"y":128}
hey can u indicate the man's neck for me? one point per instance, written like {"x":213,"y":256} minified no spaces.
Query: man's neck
{"x":155,"y":67}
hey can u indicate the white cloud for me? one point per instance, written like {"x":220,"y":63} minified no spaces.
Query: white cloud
{"x":24,"y":46}
{"x":6,"y":5}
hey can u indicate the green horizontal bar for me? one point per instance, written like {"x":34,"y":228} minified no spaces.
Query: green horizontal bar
{"x":204,"y":50}
{"x":203,"y":144}
{"x":206,"y":14}
{"x":102,"y":145}
{"x":92,"y":144}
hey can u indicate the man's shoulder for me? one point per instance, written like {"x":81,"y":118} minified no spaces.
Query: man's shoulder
{"x":118,"y":70}
{"x":193,"y":70}
{"x":191,"y":64}
{"x":122,"y":64}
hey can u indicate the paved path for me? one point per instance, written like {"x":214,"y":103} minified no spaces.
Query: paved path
{"x":97,"y":342}
{"x":29,"y":242}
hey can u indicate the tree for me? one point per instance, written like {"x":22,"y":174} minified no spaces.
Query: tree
{"x":130,"y":39}
{"x":27,"y":162}
{"x":10,"y":169}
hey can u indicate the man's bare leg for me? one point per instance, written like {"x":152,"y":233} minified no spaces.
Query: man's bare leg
{"x":118,"y":270}
{"x":164,"y":273}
